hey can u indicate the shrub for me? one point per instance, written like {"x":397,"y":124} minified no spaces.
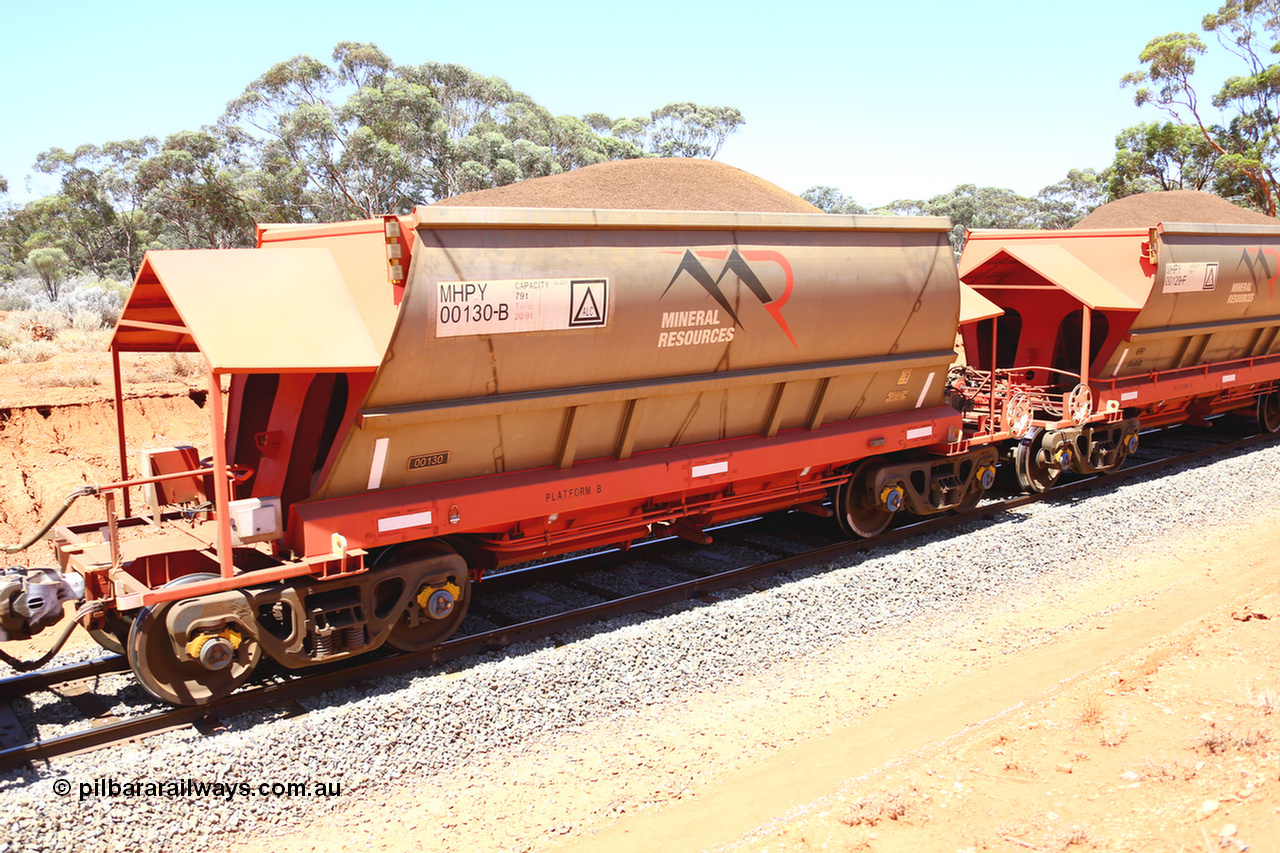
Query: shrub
{"x":76,"y":379}
{"x":101,"y":297}
{"x":86,"y":295}
{"x":86,"y":321}
{"x":184,"y":364}
{"x":28,"y":352}
{"x":75,"y":340}
{"x":51,"y":318}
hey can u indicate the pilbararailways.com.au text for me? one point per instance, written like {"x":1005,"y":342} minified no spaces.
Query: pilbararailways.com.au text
{"x":106,"y":787}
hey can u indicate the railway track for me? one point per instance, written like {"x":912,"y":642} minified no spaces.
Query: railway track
{"x":805,"y":542}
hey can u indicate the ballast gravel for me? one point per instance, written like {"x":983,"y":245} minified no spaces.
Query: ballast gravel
{"x":414,"y":727}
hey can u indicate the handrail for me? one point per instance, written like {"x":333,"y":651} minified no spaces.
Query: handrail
{"x":237,"y":474}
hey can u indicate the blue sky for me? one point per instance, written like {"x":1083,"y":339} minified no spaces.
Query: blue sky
{"x":880,"y":100}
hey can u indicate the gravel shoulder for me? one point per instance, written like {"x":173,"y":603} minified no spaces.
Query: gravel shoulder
{"x":1146,"y":720}
{"x":859,"y":706}
{"x":1034,"y":713}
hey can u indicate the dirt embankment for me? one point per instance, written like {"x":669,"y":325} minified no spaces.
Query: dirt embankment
{"x":54,"y":439}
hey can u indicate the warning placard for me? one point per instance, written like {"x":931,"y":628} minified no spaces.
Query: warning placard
{"x":520,"y":305}
{"x":1190,"y":278}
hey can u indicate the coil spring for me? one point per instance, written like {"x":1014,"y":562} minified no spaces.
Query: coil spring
{"x":322,"y":643}
{"x":353,"y":636}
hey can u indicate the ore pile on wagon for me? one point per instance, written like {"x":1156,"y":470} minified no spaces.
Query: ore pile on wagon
{"x":416,"y":400}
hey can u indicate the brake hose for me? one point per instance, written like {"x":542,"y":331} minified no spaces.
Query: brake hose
{"x":82,"y":492}
{"x":28,"y":666}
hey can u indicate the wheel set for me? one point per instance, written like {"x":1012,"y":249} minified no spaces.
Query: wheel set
{"x":196,"y":650}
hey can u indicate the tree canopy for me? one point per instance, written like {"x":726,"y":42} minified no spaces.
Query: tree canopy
{"x":360,"y":135}
{"x":314,"y":141}
{"x":831,"y":200}
{"x":1237,"y":123}
{"x":969,"y":206}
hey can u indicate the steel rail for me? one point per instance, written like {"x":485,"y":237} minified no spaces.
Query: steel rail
{"x":18,"y":686}
{"x":255,"y":698}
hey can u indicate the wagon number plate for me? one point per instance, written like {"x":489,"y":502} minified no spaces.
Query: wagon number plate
{"x":429,"y":460}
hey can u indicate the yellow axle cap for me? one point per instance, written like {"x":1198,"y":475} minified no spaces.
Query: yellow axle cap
{"x":424,"y":594}
{"x":197,"y":643}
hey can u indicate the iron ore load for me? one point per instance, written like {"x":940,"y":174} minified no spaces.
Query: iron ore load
{"x":412,"y":401}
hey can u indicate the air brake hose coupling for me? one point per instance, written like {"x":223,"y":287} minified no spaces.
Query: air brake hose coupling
{"x":87,"y":490}
{"x":891,"y":497}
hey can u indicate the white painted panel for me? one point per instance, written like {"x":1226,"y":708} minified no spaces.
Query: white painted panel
{"x":402,"y":522}
{"x":379,"y":463}
{"x":710,"y":468}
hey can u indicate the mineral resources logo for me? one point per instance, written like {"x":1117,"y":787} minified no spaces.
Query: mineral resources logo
{"x":703,"y":327}
{"x":1263,"y":265}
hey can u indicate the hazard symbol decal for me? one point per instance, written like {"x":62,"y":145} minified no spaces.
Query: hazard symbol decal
{"x":588,"y":299}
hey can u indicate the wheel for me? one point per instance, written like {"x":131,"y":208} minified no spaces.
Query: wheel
{"x":1269,"y":413}
{"x":435,"y":609}
{"x":1035,"y":474}
{"x":983,"y":479}
{"x":971,"y":499}
{"x":182,"y":682}
{"x":856,"y":509}
{"x":114,"y":634}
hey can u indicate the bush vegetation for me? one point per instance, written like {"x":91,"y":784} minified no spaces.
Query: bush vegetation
{"x":34,"y":328}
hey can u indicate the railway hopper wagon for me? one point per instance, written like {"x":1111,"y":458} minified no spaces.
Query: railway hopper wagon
{"x":413,"y":401}
{"x":1103,"y":332}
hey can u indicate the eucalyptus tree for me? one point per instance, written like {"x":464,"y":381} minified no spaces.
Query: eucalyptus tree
{"x":831,"y":200}
{"x":10,"y":244}
{"x":205,"y":192}
{"x":689,"y":130}
{"x":1071,"y":199}
{"x":1239,"y":121}
{"x":367,"y":136}
{"x":1155,"y":156}
{"x":80,"y":219}
{"x":313,"y":141}
{"x":680,"y":129}
{"x":50,"y":265}
{"x":970,"y":206}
